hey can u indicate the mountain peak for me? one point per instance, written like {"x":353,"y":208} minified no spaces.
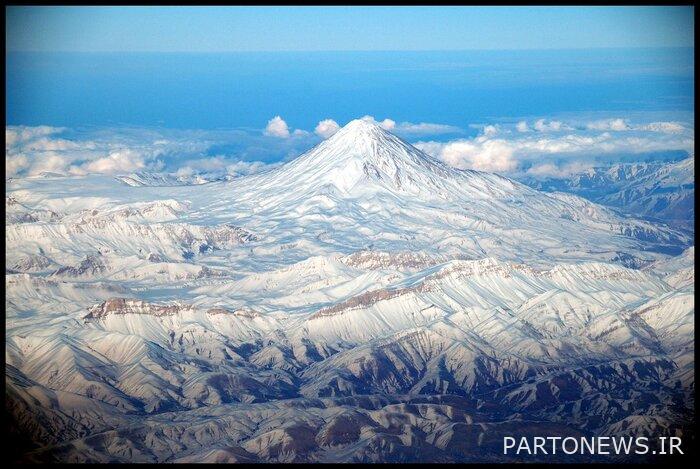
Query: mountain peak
{"x":363,"y":159}
{"x":359,"y":130}
{"x":362,"y":155}
{"x":362,"y":125}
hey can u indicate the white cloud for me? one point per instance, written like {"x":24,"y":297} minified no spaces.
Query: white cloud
{"x":425,"y":128}
{"x":410,"y":128}
{"x":522,"y":127}
{"x":15,"y":135}
{"x":219,"y":165}
{"x":46,"y":144}
{"x":277,"y":127}
{"x":542,"y":125}
{"x":214,"y":163}
{"x":326,"y":128}
{"x":621,"y":125}
{"x":481,"y":154}
{"x":665,"y":127}
{"x":240,"y":168}
{"x":490,"y":130}
{"x":553,"y":170}
{"x":615,"y":125}
{"x":386,"y":124}
{"x":490,"y":151}
{"x":49,"y":163}
{"x":32,"y":151}
{"x":120,"y":161}
{"x":499,"y":147}
{"x":184,"y":171}
{"x":15,"y":164}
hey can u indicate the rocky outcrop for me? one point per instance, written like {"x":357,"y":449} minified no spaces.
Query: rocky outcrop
{"x":90,"y":266}
{"x":374,"y":260}
{"x":130,"y":306}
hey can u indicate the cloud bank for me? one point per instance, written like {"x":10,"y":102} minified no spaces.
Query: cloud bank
{"x":540,"y":147}
{"x":501,"y":149}
{"x":36,"y":151}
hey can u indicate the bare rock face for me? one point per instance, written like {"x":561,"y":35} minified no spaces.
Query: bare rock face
{"x":91,"y":265}
{"x":242,"y":312}
{"x":232,"y":233}
{"x":130,"y":306}
{"x":374,"y":260}
{"x":360,"y":301}
{"x":208,"y":272}
{"x":459,"y":269}
{"x":154,"y":257}
{"x":33,"y":263}
{"x":134,"y":306}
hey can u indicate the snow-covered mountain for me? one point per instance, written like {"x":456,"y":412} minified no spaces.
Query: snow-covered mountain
{"x":667,"y":194}
{"x":364,"y":302}
{"x":656,"y":191}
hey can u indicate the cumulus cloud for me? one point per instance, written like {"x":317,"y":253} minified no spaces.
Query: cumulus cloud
{"x":49,"y":163}
{"x":665,"y":127}
{"x":505,"y":151}
{"x":214,"y":163}
{"x":242,"y":168}
{"x":121,"y":161}
{"x":522,"y":127}
{"x":220,"y":165}
{"x":15,"y":164}
{"x":559,"y":171}
{"x":277,"y":127}
{"x":326,"y":128}
{"x":482,"y":153}
{"x":425,"y":128}
{"x":499,"y":147}
{"x":621,"y":125}
{"x":386,"y":124}
{"x":615,"y":125}
{"x":485,"y":155}
{"x":15,"y":135}
{"x":33,"y":151}
{"x":490,"y":130}
{"x":542,"y":125}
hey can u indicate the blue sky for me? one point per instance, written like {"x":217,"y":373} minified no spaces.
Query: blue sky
{"x":217,"y":89}
{"x":218,"y":29}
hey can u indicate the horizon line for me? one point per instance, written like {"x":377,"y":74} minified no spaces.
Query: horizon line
{"x":233,"y":51}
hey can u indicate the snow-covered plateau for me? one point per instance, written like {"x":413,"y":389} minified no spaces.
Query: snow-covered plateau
{"x":363,"y":302}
